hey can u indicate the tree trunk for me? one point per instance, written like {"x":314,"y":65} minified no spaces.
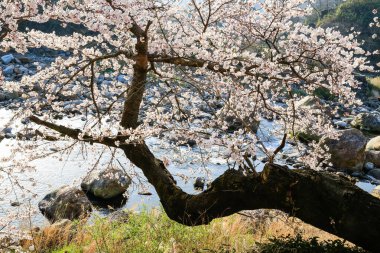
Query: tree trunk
{"x":323,"y":200}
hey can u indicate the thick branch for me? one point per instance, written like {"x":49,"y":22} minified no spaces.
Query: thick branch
{"x":140,"y":68}
{"x":75,"y":134}
{"x":323,"y":200}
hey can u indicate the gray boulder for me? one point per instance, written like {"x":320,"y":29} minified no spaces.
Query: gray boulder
{"x":6,"y":59}
{"x":106,"y":184}
{"x":375,"y":173}
{"x":367,"y":121}
{"x":65,"y":203}
{"x":348,"y":150}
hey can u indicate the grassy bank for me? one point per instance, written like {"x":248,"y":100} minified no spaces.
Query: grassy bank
{"x":154,"y":232}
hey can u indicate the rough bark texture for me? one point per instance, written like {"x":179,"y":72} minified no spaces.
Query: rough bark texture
{"x":323,"y":200}
{"x":136,"y":92}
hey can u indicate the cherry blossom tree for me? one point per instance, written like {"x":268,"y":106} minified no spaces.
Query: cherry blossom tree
{"x":190,"y":68}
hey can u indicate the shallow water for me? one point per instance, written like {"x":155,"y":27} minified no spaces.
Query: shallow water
{"x":57,"y":170}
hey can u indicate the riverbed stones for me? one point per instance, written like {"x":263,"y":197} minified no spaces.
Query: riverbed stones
{"x":376,"y":192}
{"x":373,"y":144}
{"x":373,"y":156}
{"x":375,"y":173}
{"x":106,"y":184}
{"x":341,"y":124}
{"x":308,"y":102}
{"x":65,"y":203}
{"x":235,"y":124}
{"x":119,"y":216}
{"x":368,"y":121}
{"x":347,"y":150}
{"x":369,"y":166}
{"x":8,"y":71}
{"x":8,"y":58}
{"x":373,"y":151}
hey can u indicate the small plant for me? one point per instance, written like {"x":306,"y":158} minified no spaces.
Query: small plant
{"x":312,"y":245}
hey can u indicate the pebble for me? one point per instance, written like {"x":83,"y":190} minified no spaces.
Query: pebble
{"x":341,"y":124}
{"x":369,"y":166}
{"x":6,"y":59}
{"x":8,"y":70}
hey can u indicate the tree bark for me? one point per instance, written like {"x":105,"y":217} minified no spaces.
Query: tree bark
{"x":324,"y":200}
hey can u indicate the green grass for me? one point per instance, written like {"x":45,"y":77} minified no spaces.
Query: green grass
{"x":154,"y":232}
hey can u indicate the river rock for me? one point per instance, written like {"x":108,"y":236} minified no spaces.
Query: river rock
{"x":21,"y":70}
{"x":122,"y":78}
{"x":369,"y":166}
{"x":341,"y":124}
{"x":373,"y":144}
{"x":348,"y":150}
{"x":234,"y":124}
{"x":106,"y":184}
{"x":24,"y":59}
{"x":373,"y":156}
{"x":375,"y":173}
{"x":8,"y":71}
{"x":119,"y":216}
{"x":6,"y":59}
{"x":65,"y":203}
{"x":367,"y":121}
{"x":199,"y":183}
{"x":376,"y":192}
{"x":308,"y":102}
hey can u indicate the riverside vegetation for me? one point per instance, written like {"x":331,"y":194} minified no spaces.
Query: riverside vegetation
{"x":153,"y":231}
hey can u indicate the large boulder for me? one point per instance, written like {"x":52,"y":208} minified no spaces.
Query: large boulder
{"x":367,"y":121}
{"x":375,"y":173}
{"x":347,"y":150}
{"x":65,"y":203}
{"x":106,"y":184}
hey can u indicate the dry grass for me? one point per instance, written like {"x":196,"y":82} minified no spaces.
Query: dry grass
{"x":155,"y":232}
{"x":274,"y":224}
